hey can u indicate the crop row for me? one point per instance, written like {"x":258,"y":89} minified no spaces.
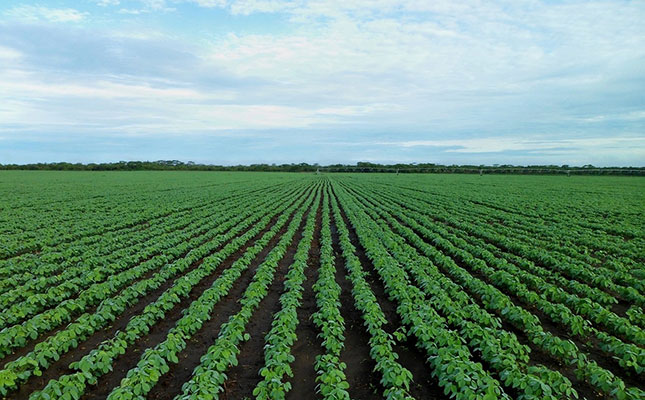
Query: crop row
{"x":49,"y":350}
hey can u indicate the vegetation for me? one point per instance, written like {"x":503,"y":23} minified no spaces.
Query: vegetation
{"x":176,"y":165}
{"x":134,"y":285}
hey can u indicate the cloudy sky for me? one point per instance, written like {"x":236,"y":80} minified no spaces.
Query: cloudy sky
{"x":245,"y":81}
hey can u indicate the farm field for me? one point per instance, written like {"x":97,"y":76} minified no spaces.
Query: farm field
{"x":200,"y":285}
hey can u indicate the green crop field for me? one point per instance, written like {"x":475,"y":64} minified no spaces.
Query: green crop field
{"x":213,"y":285}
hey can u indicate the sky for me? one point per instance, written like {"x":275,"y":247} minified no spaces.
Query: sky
{"x":521,"y":82}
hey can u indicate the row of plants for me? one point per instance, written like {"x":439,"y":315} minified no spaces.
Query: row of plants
{"x":208,"y":377}
{"x":15,"y":271}
{"x":88,"y":277}
{"x":276,"y":371}
{"x":499,"y":349}
{"x":17,"y":336}
{"x":576,"y":245}
{"x":608,"y":229}
{"x":91,"y":250}
{"x":562,"y":214}
{"x":529,"y":247}
{"x":470,"y":228}
{"x":449,"y":358}
{"x":585,"y":212}
{"x":550,"y":299}
{"x":589,"y":246}
{"x":100,"y":360}
{"x":585,"y":307}
{"x":395,"y":378}
{"x":49,"y":229}
{"x":586,"y":297}
{"x":47,"y":272}
{"x":330,"y":370}
{"x":620,"y":279}
{"x":499,"y":303}
{"x":51,"y":349}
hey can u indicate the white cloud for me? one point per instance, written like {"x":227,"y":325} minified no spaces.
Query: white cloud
{"x":247,"y":7}
{"x":427,"y":72}
{"x":8,"y":54}
{"x":36,"y":13}
{"x":209,"y":3}
{"x":131,"y":11}
{"x":136,"y":107}
{"x":100,"y":89}
{"x":106,"y":3}
{"x":148,"y":6}
{"x":523,"y":143}
{"x":155,"y":4}
{"x":628,"y":116}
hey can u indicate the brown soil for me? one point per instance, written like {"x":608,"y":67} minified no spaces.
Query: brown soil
{"x":170,"y":383}
{"x":589,"y":345}
{"x":542,"y":357}
{"x":128,"y":313}
{"x":243,"y":377}
{"x":123,"y":246}
{"x":159,"y":332}
{"x":308,"y":345}
{"x":621,"y":307}
{"x":537,"y":355}
{"x":363,"y":382}
{"x":61,"y":366}
{"x":32,"y":343}
{"x":424,"y":386}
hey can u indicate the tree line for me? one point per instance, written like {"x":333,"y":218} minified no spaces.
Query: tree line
{"x":367,"y":167}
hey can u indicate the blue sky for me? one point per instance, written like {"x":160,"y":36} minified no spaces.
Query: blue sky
{"x":327,"y":81}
